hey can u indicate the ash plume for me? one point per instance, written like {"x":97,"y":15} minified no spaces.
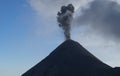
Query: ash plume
{"x":64,"y":18}
{"x":103,"y":16}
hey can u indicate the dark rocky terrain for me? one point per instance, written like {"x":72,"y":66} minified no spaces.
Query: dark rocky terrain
{"x":71,"y":59}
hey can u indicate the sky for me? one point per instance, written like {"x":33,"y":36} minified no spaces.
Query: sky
{"x":29,"y":31}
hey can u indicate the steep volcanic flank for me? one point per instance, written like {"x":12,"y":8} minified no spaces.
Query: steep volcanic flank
{"x":70,"y":59}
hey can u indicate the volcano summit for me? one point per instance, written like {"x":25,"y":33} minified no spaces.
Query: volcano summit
{"x":71,"y":59}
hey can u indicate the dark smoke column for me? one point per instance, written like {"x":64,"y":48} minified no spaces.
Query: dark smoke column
{"x":64,"y":18}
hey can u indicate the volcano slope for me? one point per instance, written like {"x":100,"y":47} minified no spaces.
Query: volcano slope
{"x":72,"y":59}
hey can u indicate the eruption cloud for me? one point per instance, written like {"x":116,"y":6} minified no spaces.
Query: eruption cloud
{"x":102,"y":16}
{"x":64,"y":18}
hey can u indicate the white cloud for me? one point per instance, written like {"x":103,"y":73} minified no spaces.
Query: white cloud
{"x":51,"y":7}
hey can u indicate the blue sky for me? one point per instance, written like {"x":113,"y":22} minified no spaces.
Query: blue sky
{"x":29,"y":32}
{"x":19,"y":45}
{"x":16,"y":33}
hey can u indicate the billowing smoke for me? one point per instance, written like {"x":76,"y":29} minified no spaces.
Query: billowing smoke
{"x":64,"y":19}
{"x":103,"y":16}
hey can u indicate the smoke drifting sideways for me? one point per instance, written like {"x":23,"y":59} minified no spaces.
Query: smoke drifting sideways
{"x":64,"y":18}
{"x":103,"y":17}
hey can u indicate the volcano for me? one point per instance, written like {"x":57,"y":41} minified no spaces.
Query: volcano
{"x":72,"y":59}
